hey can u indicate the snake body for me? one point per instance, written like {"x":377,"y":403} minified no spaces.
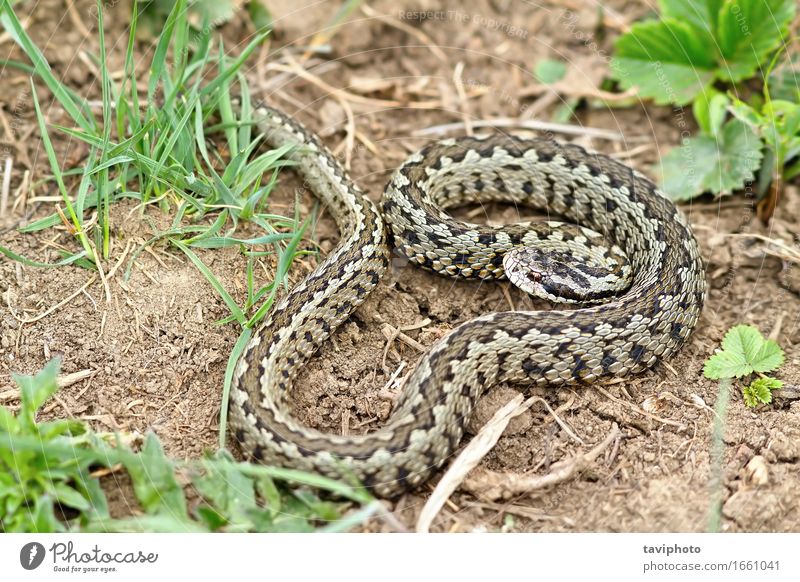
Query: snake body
{"x":628,"y":332}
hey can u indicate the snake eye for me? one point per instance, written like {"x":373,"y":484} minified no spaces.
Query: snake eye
{"x":534,"y":276}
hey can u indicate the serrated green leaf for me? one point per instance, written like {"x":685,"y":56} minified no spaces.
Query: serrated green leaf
{"x":744,"y":351}
{"x":760,"y":391}
{"x":768,"y":358}
{"x":697,"y":41}
{"x":706,"y":164}
{"x":549,"y":71}
{"x":768,"y":382}
{"x":668,"y":61}
{"x":756,"y":394}
{"x":726,"y":365}
{"x":701,"y":14}
{"x":748,"y":31}
{"x":744,"y":340}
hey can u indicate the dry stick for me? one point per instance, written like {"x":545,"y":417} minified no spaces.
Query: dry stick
{"x":77,"y":21}
{"x":526,"y":124}
{"x":531,"y":513}
{"x":463,"y":101}
{"x":791,"y":253}
{"x":313,"y":79}
{"x":350,"y":132}
{"x":635,"y":408}
{"x":274,"y":82}
{"x":492,"y":485}
{"x":352,"y":97}
{"x":63,"y":381}
{"x":416,"y":33}
{"x":560,"y":422}
{"x":6,"y":185}
{"x":469,"y":458}
{"x":21,"y":193}
{"x":55,"y":307}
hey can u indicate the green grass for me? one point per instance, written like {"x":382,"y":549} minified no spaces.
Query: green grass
{"x":49,"y":482}
{"x":153,"y":149}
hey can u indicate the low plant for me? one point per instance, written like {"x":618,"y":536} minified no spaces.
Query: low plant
{"x":50,"y":481}
{"x":694,"y":44}
{"x":746,"y":354}
{"x":707,"y":53}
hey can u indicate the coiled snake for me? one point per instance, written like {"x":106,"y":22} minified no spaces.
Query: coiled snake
{"x":626,"y":333}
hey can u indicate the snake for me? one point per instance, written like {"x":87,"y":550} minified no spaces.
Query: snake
{"x":624,"y":253}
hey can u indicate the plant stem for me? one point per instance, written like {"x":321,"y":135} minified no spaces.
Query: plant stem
{"x":718,"y":454}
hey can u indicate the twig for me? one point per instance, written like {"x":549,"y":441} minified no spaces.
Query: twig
{"x":458,"y":81}
{"x":416,"y":33}
{"x":6,"y":185}
{"x":63,"y":381}
{"x":560,"y":422}
{"x":53,"y":308}
{"x":492,"y":485}
{"x":635,"y":408}
{"x":469,"y":458}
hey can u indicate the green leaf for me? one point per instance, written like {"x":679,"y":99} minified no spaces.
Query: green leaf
{"x":35,"y":390}
{"x":259,"y":14}
{"x":748,"y":31}
{"x":744,"y":351}
{"x":668,"y":61}
{"x":697,"y":41}
{"x":706,"y":164}
{"x":710,"y":109}
{"x":44,"y":517}
{"x":154,"y":482}
{"x":68,"y":496}
{"x":784,"y":81}
{"x":548,"y":71}
{"x":769,"y":382}
{"x":726,"y":365}
{"x":743,"y":339}
{"x":755,"y":395}
{"x":8,"y":422}
{"x":701,"y":14}
{"x":768,"y":358}
{"x":760,"y":391}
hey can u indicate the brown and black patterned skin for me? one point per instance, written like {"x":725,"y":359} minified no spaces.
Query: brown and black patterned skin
{"x":625,"y":334}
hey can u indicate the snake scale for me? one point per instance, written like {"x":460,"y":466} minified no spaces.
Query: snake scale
{"x":626,"y":333}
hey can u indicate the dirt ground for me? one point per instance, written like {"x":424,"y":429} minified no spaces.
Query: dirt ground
{"x":154,"y":359}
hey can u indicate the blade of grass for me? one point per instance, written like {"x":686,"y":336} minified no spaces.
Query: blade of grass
{"x":236,"y":353}
{"x":51,"y":156}
{"x":15,"y":29}
{"x":226,"y":297}
{"x":29,"y":263}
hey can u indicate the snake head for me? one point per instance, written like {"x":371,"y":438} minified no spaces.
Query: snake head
{"x":556,"y":276}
